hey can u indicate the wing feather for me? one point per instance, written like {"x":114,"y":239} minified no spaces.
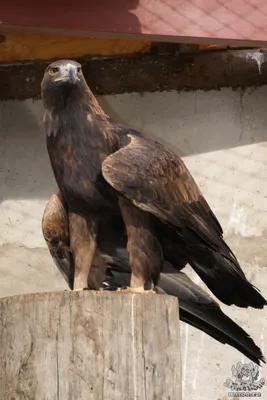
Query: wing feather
{"x":157,"y":181}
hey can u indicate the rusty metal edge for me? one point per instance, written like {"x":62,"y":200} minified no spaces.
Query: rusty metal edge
{"x":148,"y":73}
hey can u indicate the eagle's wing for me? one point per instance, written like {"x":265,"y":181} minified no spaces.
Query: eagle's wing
{"x":156,"y":180}
{"x":55,"y":228}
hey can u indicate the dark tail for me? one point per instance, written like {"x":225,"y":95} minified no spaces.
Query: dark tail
{"x":197,"y":308}
{"x":226,"y":280}
{"x":214,"y":262}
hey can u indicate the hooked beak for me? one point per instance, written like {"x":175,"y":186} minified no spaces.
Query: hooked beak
{"x":68,"y":74}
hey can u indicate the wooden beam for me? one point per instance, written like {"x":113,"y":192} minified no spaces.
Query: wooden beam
{"x":20,"y":47}
{"x":89,"y":345}
{"x":238,"y":22}
{"x":28,"y":47}
{"x":148,"y":73}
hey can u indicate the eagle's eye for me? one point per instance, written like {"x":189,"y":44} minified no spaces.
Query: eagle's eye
{"x":79,"y":70}
{"x":53,"y":71}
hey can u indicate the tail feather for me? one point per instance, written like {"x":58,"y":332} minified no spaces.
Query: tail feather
{"x":222,"y":277}
{"x":197,"y":308}
{"x":244,"y":343}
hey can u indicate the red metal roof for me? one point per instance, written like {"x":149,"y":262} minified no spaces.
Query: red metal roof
{"x":212,"y":21}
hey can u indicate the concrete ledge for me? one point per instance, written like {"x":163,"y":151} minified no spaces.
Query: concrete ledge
{"x":153,"y":72}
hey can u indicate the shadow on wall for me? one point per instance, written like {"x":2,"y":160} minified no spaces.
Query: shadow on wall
{"x":190,"y":123}
{"x":196,"y":122}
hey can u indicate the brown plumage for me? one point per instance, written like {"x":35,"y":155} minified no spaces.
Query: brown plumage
{"x":68,"y":239}
{"x":197,"y":308}
{"x":103,"y":168}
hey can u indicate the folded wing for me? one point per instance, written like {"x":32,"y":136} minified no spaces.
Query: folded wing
{"x":157,"y":181}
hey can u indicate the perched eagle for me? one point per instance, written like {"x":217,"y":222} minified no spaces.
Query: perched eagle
{"x":197,"y":308}
{"x":104,"y":169}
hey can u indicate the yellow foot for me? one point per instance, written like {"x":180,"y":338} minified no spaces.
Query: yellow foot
{"x":80,"y":290}
{"x":136,"y":290}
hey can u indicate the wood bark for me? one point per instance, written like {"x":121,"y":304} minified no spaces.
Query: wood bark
{"x":90,"y":346}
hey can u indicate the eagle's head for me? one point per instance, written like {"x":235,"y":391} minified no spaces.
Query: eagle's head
{"x":63,"y":81}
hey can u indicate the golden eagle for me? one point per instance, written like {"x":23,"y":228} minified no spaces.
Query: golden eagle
{"x":105,"y":169}
{"x":111,"y":269}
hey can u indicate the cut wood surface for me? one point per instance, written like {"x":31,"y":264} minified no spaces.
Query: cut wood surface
{"x":22,"y":47}
{"x":89,"y":345}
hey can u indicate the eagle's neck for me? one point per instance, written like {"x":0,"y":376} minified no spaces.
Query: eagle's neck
{"x":72,"y":108}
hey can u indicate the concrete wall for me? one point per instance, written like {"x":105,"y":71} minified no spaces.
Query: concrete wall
{"x":222,"y":137}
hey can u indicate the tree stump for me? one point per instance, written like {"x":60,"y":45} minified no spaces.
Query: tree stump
{"x":89,"y":346}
